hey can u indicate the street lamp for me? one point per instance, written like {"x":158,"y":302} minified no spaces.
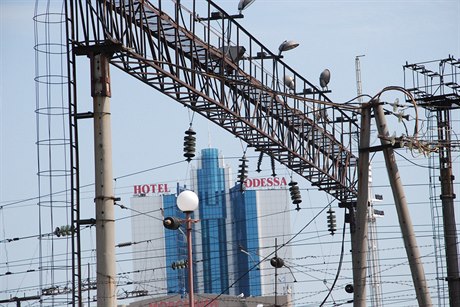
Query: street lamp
{"x":287,"y":45}
{"x":256,"y":264}
{"x":244,"y":4}
{"x":324,"y":79}
{"x":187,"y":202}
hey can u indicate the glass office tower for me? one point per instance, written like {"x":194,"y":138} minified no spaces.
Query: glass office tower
{"x":211,"y":183}
{"x":246,"y":236}
{"x":235,"y":233}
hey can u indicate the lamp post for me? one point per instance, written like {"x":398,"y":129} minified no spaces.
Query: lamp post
{"x":187,"y":202}
{"x":287,"y":45}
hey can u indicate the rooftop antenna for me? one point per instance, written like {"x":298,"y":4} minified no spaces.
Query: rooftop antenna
{"x":359,"y":86}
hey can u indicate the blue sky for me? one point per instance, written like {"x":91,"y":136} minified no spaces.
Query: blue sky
{"x":148,"y":127}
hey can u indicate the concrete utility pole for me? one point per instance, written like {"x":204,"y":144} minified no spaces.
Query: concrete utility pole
{"x":104,"y":199}
{"x":359,"y":235}
{"x":405,"y":223}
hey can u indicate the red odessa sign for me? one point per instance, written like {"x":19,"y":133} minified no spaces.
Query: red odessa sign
{"x":151,"y":188}
{"x":265,"y":182}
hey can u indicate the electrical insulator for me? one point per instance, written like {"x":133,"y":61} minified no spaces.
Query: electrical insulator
{"x":189,"y":144}
{"x":63,"y":231}
{"x":243,"y":172}
{"x":273,"y":167}
{"x":182,"y":264}
{"x":331,"y":221}
{"x":295,"y":194}
{"x":277,"y":262}
{"x":172,"y":223}
{"x":259,"y":162}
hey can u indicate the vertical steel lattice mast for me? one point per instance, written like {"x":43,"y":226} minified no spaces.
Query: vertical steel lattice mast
{"x":77,"y":297}
{"x":53,"y":137}
{"x":57,"y":149}
{"x":436,"y":88}
{"x":436,"y":215}
{"x":373,"y":259}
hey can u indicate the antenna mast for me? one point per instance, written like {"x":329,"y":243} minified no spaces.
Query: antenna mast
{"x":359,"y":86}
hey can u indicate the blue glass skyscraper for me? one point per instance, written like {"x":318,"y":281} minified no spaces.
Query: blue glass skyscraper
{"x":234,"y":236}
{"x":211,"y":188}
{"x":247,"y":237}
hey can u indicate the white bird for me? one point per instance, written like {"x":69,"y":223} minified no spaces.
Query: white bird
{"x":289,"y":82}
{"x":324,"y":79}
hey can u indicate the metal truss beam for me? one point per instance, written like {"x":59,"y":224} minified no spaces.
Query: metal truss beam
{"x":210,"y":67}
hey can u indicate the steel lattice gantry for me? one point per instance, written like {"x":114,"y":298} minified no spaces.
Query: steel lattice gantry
{"x":212,"y":65}
{"x":227,"y":76}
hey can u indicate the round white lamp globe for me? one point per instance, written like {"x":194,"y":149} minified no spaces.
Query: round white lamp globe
{"x":187,"y":201}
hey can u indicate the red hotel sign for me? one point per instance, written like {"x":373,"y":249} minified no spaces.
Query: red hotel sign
{"x":265,"y":182}
{"x":154,"y":188}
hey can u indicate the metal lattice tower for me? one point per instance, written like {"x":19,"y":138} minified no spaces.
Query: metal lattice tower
{"x":436,"y":215}
{"x":56,"y":202}
{"x":435,"y":86}
{"x":373,"y":259}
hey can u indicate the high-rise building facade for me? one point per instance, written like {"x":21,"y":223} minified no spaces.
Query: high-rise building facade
{"x":261,"y":224}
{"x":148,"y":235}
{"x":233,"y":242}
{"x":211,"y":181}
